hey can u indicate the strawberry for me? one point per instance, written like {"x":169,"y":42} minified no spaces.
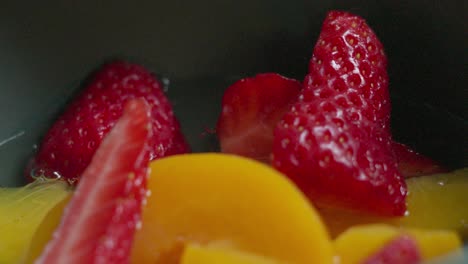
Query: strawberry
{"x":334,"y":143}
{"x":412,"y":163}
{"x":70,"y":143}
{"x":251,"y":108}
{"x":336,"y":162}
{"x":400,"y":250}
{"x":99,"y":222}
{"x":349,"y":60}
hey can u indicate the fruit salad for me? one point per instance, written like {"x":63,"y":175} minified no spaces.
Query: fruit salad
{"x":307,"y":172}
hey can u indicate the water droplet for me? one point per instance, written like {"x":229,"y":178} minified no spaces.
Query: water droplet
{"x":166,"y":83}
{"x":109,"y":242}
{"x":138,"y":225}
{"x":442,"y":182}
{"x":72,"y":181}
{"x":56,"y":175}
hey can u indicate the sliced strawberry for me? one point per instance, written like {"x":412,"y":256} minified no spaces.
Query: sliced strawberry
{"x":335,"y":141}
{"x":69,"y":145}
{"x":401,"y":250}
{"x":412,"y":164}
{"x":99,"y":223}
{"x":251,"y":108}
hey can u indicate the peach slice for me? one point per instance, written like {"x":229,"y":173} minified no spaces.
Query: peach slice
{"x":196,"y":254}
{"x":371,"y":238}
{"x":438,"y":201}
{"x":45,"y":231}
{"x":22,"y":210}
{"x":202,"y":198}
{"x":435,"y":202}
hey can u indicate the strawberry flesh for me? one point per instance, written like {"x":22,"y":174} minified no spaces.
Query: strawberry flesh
{"x":335,"y":141}
{"x":99,"y":223}
{"x":251,"y":108}
{"x":401,"y":250}
{"x":71,"y":142}
{"x":413,"y":164}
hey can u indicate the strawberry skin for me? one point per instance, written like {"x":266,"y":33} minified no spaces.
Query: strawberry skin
{"x":400,"y":250}
{"x":334,"y":143}
{"x":70,"y":143}
{"x":337,"y":163}
{"x":99,"y":222}
{"x":251,"y":108}
{"x":349,"y":60}
{"x":413,"y":164}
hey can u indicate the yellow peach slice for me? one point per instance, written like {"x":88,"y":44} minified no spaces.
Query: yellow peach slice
{"x":196,"y":254}
{"x":21,"y":212}
{"x":201,"y":198}
{"x":45,"y":231}
{"x":436,"y":201}
{"x":359,"y":242}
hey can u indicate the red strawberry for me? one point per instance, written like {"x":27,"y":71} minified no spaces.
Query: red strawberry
{"x":336,"y":162}
{"x":401,"y":250}
{"x":70,"y":143}
{"x":99,"y":223}
{"x":412,"y":164}
{"x":348,"y":60}
{"x":251,"y":108}
{"x":334,"y":142}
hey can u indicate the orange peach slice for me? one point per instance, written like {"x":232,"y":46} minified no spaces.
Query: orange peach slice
{"x":201,"y":198}
{"x":359,"y":242}
{"x":196,"y":254}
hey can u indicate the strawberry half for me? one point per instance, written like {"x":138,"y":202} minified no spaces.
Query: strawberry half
{"x":71,"y":142}
{"x":401,"y":250}
{"x":251,"y":108}
{"x":413,"y":164}
{"x":334,"y":142}
{"x":99,"y":223}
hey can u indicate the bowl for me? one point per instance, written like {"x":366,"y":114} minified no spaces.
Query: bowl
{"x":200,"y":47}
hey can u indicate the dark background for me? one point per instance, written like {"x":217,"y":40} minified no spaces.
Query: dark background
{"x":48,"y":47}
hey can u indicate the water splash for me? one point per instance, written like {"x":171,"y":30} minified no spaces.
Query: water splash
{"x":15,"y":136}
{"x":39,"y":174}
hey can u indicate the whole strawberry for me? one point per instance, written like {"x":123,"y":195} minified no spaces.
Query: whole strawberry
{"x":335,"y":141}
{"x":71,"y":142}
